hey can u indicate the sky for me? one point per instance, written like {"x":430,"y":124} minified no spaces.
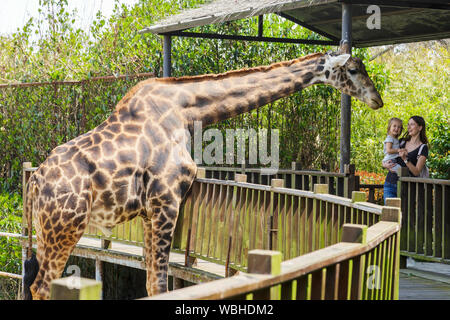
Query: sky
{"x":15,"y":13}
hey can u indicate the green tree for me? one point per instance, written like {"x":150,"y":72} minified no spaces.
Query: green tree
{"x":415,"y":82}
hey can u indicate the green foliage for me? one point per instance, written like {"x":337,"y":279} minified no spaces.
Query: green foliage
{"x":439,"y":157}
{"x":10,"y":221}
{"x":416,"y":83}
{"x":36,"y":119}
{"x":10,"y":249}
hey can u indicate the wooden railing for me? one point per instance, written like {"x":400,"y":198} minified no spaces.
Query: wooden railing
{"x":425,"y":204}
{"x":363,"y":265}
{"x":425,"y":223}
{"x":340,"y":184}
{"x":222,"y":220}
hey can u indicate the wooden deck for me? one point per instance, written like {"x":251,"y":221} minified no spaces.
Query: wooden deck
{"x":132,"y":256}
{"x":413,"y":287}
{"x":425,"y":281}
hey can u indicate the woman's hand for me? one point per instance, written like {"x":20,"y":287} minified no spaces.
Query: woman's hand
{"x":403,"y":154}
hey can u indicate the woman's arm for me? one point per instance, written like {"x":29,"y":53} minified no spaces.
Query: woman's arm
{"x":415,"y":169}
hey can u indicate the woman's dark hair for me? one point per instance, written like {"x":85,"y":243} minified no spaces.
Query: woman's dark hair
{"x":423,"y":135}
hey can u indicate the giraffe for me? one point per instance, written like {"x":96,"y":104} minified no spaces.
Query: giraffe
{"x":131,"y":164}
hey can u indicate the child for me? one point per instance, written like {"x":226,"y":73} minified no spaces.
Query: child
{"x":391,"y":143}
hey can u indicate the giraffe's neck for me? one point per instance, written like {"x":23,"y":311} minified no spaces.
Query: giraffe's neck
{"x":224,"y":96}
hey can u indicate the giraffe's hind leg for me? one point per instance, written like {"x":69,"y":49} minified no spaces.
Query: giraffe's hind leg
{"x":148,"y":253}
{"x":57,"y":235}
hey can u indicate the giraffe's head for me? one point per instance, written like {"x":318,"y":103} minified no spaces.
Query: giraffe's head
{"x":348,"y":74}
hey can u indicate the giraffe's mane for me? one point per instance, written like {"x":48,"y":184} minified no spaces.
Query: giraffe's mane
{"x":238,"y":73}
{"x":206,"y":77}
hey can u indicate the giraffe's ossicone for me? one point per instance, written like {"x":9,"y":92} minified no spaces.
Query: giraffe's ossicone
{"x":132,"y":163}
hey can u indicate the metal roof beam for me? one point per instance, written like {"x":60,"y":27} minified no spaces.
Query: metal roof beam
{"x":260,"y":25}
{"x":308,"y":26}
{"x":252,"y":38}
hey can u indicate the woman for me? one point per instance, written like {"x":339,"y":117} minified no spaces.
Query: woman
{"x":413,"y":157}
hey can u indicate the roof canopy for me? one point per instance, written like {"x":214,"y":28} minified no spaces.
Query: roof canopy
{"x":401,"y":21}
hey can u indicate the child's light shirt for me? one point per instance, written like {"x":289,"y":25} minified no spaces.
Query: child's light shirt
{"x":395,"y":145}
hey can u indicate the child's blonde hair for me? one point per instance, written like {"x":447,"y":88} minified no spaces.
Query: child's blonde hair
{"x":390,"y":123}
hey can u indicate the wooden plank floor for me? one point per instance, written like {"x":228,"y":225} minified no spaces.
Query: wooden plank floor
{"x":425,"y":281}
{"x":418,"y":288}
{"x":136,"y":251}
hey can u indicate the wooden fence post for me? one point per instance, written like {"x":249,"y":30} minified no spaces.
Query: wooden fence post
{"x":321,"y":188}
{"x":274,"y":216}
{"x":394,"y":202}
{"x":296,"y":183}
{"x":240,"y":177}
{"x":358,"y":196}
{"x":320,"y":216}
{"x":349,"y":180}
{"x":403,"y":194}
{"x":201,"y":173}
{"x":393,"y":214}
{"x":296,"y":166}
{"x":265,"y":262}
{"x":398,"y":203}
{"x":26,"y":174}
{"x":25,"y":177}
{"x":75,"y":288}
{"x":277,"y":183}
{"x":355,"y":233}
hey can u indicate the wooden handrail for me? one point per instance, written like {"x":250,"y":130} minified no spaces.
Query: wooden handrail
{"x":278,"y":171}
{"x":319,"y":216}
{"x":291,"y":270}
{"x":131,"y":231}
{"x":425,"y":180}
{"x":294,"y":192}
{"x":264,"y":217}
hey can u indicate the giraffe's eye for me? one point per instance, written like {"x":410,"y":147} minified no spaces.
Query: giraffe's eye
{"x":352,"y":71}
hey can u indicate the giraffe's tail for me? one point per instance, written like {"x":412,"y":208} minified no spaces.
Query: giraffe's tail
{"x":31,"y":265}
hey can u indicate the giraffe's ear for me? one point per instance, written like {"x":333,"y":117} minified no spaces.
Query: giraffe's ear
{"x":339,"y":61}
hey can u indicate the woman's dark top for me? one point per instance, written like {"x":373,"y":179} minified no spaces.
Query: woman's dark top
{"x":412,"y":157}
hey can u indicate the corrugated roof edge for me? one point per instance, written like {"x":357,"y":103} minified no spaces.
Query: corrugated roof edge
{"x":205,"y":16}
